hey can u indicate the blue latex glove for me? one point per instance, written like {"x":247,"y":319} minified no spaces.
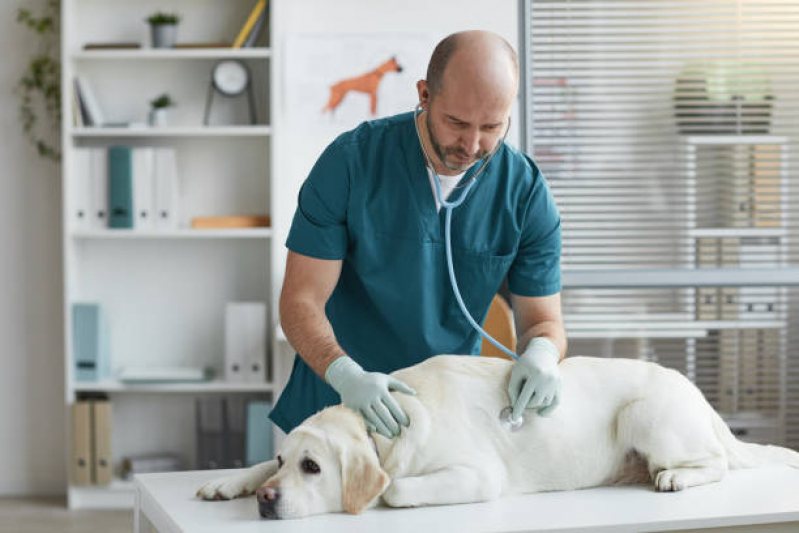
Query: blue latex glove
{"x":535,"y":379}
{"x":367,"y":393}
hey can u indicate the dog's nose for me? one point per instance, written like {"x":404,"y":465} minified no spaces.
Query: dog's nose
{"x":267,"y":502}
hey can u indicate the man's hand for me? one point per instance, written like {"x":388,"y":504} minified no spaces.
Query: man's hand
{"x":535,"y":379}
{"x":368,"y":394}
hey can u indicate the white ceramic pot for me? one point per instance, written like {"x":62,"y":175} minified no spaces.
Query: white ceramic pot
{"x":164,"y":35}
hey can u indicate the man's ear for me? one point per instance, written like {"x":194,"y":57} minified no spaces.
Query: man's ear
{"x":362,"y":478}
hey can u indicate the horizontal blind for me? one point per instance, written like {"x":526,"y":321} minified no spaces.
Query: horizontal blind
{"x":668,"y":132}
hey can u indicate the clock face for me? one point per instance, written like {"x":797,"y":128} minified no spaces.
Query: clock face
{"x":230,"y":77}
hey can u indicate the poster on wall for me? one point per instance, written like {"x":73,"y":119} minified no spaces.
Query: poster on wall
{"x":336,"y":81}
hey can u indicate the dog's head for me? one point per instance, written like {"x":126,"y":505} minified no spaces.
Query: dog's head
{"x":326,"y":465}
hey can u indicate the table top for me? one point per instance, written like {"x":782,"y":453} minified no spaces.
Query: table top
{"x":744,"y":497}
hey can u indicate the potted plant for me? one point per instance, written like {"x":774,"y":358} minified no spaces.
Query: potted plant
{"x":163,"y":29}
{"x":158,"y":109}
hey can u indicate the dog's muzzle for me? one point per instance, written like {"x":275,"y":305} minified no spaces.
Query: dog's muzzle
{"x":267,"y":502}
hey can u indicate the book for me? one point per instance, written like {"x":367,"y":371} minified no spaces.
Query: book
{"x":260,"y":5}
{"x":252,"y":38}
{"x":95,"y":114}
{"x":254,"y":221}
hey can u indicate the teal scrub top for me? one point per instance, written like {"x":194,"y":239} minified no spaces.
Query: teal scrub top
{"x":368,"y":202}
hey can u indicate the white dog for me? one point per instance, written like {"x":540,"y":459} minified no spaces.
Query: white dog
{"x":618,"y":421}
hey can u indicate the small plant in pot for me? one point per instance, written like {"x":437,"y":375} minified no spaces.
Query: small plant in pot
{"x":163,"y":29}
{"x":158,"y":110}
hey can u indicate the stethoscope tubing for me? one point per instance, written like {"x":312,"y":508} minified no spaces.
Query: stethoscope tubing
{"x":449,"y":206}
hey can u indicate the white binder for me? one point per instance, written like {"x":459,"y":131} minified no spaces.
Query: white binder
{"x":81,"y":204}
{"x":143,"y":195}
{"x":245,"y":342}
{"x":166,"y":189}
{"x":99,"y":188}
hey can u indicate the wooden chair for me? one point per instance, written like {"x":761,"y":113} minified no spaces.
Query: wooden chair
{"x":499,"y":324}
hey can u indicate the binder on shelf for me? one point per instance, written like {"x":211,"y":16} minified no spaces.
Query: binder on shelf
{"x":99,"y":188}
{"x":252,"y":38}
{"x":143,"y":195}
{"x":120,"y":187}
{"x":210,"y":434}
{"x":81,"y":467}
{"x":90,"y":342}
{"x":167,"y":191}
{"x":259,"y":433}
{"x":101,"y":433}
{"x":81,"y":206}
{"x":249,"y":24}
{"x":245,"y":342}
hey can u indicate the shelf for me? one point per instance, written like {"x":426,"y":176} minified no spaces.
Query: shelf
{"x":735,"y":139}
{"x":172,"y":131}
{"x":243,"y":233}
{"x":216,"y":386}
{"x":179,"y":53}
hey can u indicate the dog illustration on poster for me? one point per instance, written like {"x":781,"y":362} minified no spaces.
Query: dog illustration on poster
{"x":366,"y":83}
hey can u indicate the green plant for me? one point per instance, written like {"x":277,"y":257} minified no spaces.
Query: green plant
{"x":163,"y":18}
{"x":162,"y":101}
{"x":39,"y":87}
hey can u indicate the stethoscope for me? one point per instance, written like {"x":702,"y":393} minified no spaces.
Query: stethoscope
{"x":505,"y":414}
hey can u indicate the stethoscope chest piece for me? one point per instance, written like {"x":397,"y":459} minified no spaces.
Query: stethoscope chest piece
{"x":505,"y":418}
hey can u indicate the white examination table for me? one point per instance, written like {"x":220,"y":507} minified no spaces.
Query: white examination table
{"x":753,"y":501}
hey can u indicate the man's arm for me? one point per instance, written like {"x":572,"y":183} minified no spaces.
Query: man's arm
{"x":307,"y":285}
{"x":539,"y":316}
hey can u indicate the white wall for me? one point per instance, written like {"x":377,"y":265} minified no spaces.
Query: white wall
{"x":32,"y":452}
{"x":31,"y":385}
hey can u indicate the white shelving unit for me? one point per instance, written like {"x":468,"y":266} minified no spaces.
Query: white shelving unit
{"x":164,"y":292}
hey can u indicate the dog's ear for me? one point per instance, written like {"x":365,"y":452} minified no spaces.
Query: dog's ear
{"x":362,"y":478}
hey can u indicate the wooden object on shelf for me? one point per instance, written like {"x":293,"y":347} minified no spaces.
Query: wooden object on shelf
{"x":256,"y":221}
{"x":111,"y":46}
{"x":192,"y":46}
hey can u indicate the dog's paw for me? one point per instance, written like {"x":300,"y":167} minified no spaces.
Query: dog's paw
{"x":226,"y":488}
{"x":669,"y":481}
{"x":398,"y":494}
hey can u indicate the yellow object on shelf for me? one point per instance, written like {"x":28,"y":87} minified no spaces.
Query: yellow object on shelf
{"x":247,"y":28}
{"x":257,"y":221}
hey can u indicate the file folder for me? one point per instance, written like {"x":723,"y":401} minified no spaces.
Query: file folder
{"x":259,"y":433}
{"x":120,"y":187}
{"x":81,"y":467}
{"x":90,"y":342}
{"x":101,"y":417}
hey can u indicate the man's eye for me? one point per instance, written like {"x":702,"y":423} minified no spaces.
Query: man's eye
{"x":279,"y":462}
{"x":310,"y":467}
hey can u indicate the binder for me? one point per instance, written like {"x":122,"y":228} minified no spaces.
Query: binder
{"x":81,"y":206}
{"x":90,"y":342}
{"x":252,"y":38}
{"x":81,"y":466}
{"x":101,"y":433}
{"x":166,"y":189}
{"x":143,"y":196}
{"x":99,"y":188}
{"x":260,"y":6}
{"x":245,"y":342}
{"x":120,"y":187}
{"x":259,"y":433}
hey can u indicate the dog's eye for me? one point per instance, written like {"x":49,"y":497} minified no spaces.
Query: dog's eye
{"x":310,"y":467}
{"x":279,"y":462}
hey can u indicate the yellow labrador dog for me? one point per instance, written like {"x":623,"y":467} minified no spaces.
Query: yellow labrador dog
{"x":619,"y":421}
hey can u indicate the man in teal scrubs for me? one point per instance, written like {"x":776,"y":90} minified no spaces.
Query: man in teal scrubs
{"x":366,"y":288}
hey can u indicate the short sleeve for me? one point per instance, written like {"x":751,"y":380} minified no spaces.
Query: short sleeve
{"x":319,"y":227}
{"x":536,"y":269}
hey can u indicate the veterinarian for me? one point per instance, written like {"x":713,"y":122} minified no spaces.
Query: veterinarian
{"x":366,"y":289}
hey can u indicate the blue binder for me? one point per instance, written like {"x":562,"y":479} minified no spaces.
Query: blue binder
{"x":90,"y":342}
{"x":259,"y":433}
{"x":120,"y":187}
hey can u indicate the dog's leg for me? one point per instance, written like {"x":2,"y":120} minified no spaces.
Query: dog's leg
{"x":242,"y":484}
{"x":457,"y":484}
{"x":677,"y":440}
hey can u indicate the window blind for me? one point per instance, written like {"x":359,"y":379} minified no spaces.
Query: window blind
{"x":668,"y":133}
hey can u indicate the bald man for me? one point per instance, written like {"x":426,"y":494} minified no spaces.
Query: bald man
{"x":366,"y":289}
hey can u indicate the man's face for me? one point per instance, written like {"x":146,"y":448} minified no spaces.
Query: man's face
{"x":463,"y":127}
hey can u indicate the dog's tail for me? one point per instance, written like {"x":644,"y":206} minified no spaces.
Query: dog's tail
{"x":749,"y":455}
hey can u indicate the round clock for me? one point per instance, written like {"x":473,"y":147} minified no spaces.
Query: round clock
{"x":231,"y":77}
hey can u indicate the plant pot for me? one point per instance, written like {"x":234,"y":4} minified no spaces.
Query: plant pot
{"x":157,"y":117}
{"x":164,"y":35}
